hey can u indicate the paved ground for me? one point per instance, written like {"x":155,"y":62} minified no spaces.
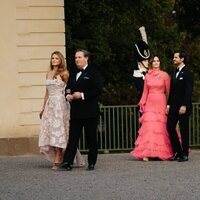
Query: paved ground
{"x":117,"y":177}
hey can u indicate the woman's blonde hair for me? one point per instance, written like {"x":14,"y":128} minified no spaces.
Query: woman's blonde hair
{"x":65,"y":75}
{"x":62,"y":60}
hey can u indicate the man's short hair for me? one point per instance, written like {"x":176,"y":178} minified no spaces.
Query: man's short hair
{"x":85,"y":52}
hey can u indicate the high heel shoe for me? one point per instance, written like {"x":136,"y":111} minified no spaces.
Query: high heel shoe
{"x":145,"y":159}
{"x":55,"y":166}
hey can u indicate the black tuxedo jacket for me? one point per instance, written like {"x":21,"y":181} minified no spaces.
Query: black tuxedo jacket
{"x":139,"y":84}
{"x":181,"y":89}
{"x":138,"y":81}
{"x":90,"y":83}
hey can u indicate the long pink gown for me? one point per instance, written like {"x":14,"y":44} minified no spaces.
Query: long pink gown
{"x":153,"y":139}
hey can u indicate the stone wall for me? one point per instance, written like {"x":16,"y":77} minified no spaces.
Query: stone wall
{"x":30,"y":31}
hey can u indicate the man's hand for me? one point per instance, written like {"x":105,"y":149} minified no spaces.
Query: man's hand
{"x":167,"y":110}
{"x":182,"y":110}
{"x":69,"y":97}
{"x":77,"y":95}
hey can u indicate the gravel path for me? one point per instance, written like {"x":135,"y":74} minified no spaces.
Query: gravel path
{"x":117,"y":177}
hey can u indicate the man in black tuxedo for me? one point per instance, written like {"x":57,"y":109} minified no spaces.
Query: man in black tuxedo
{"x":179,"y":107}
{"x":84,"y":87}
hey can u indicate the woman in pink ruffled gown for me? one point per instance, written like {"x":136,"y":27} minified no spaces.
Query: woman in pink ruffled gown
{"x":153,"y":139}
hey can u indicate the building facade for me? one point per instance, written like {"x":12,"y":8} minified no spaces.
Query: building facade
{"x":30,"y":31}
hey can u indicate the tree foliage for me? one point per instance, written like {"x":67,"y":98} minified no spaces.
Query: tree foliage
{"x":109,"y":29}
{"x":187,"y":17}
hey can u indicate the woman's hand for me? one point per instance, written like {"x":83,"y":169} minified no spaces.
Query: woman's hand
{"x":41,"y":113}
{"x":141,"y":108}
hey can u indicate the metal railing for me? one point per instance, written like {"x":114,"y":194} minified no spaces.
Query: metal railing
{"x":195,"y":126}
{"x":118,"y":125}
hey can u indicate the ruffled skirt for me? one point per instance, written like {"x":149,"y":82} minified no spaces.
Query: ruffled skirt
{"x":153,"y":139}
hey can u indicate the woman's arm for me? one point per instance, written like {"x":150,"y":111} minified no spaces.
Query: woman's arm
{"x":45,"y":100}
{"x":167,"y":84}
{"x":145,"y":93}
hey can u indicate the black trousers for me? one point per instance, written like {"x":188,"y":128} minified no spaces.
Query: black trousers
{"x":76,"y":126}
{"x":172,"y":121}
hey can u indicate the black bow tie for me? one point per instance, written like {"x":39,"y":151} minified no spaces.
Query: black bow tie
{"x":177,"y":70}
{"x":79,"y":70}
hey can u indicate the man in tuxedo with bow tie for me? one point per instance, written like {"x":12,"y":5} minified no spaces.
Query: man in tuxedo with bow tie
{"x":179,"y":107}
{"x":84,"y":87}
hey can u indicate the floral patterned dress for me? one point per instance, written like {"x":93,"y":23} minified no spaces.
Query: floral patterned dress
{"x":54,"y":129}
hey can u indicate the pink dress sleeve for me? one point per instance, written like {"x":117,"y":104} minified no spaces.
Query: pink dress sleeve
{"x":167,"y":83}
{"x":145,"y":92}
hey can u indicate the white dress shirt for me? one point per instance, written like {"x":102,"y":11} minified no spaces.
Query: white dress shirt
{"x":179,"y":69}
{"x":79,"y":73}
{"x":77,"y":77}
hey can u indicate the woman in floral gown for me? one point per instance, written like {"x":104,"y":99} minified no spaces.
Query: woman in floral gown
{"x":153,"y":139}
{"x":55,"y":115}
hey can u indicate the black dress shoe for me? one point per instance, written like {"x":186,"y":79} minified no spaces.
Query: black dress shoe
{"x":90,"y":167}
{"x":183,"y":159}
{"x":174,"y":157}
{"x":66,"y":166}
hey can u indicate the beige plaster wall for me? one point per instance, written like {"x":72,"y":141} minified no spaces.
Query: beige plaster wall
{"x":30,"y":31}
